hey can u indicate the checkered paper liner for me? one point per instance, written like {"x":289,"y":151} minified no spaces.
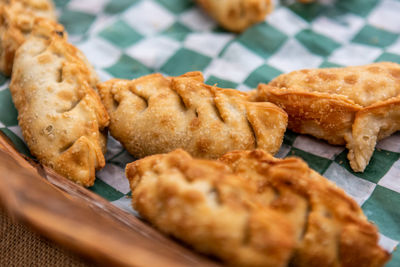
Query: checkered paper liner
{"x":131,"y":38}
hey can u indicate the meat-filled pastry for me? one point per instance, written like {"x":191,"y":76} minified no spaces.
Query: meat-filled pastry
{"x":237,"y":15}
{"x":251,"y":209}
{"x":356,"y":106}
{"x":61,"y":116}
{"x":17,"y":18}
{"x":156,"y":114}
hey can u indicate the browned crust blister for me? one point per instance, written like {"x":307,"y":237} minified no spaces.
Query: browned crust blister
{"x":156,"y":114}
{"x":17,"y":19}
{"x":61,"y":116}
{"x":237,"y":15}
{"x":251,"y":209}
{"x":356,"y":106}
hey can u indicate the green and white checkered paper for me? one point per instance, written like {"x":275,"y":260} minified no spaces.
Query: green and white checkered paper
{"x":131,"y":38}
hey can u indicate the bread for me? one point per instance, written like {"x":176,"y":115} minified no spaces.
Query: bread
{"x":237,"y":15}
{"x":17,"y":19}
{"x":251,"y":209}
{"x":356,"y":106}
{"x":156,"y":114}
{"x":60,"y":114}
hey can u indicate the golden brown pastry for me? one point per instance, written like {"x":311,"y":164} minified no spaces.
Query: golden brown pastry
{"x":356,"y":106}
{"x":251,"y":209}
{"x":156,"y":114}
{"x":237,"y":15}
{"x":61,"y":116}
{"x":17,"y":19}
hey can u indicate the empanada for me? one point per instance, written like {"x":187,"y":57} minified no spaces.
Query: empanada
{"x":156,"y":114}
{"x":356,"y":106}
{"x":61,"y":116}
{"x":237,"y":15}
{"x":251,"y":209}
{"x":17,"y":18}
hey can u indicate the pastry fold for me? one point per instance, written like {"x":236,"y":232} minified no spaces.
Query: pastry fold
{"x":17,"y":18}
{"x":156,"y":114}
{"x":237,"y":15}
{"x":60,"y":114}
{"x":251,"y":209}
{"x":356,"y":106}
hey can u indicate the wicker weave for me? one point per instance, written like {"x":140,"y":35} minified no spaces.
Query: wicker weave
{"x":20,"y":246}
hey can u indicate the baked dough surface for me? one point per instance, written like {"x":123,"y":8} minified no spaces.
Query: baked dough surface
{"x":156,"y":114}
{"x":356,"y":106}
{"x":251,"y":209}
{"x":17,"y":18}
{"x":237,"y":15}
{"x":60,"y":114}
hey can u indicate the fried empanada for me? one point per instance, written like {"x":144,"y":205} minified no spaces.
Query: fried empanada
{"x":237,"y":15}
{"x":17,"y":18}
{"x":61,"y":116}
{"x":251,"y":209}
{"x":156,"y":114}
{"x":356,"y":106}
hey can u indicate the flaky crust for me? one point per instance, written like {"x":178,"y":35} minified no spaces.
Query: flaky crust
{"x":17,"y":19}
{"x":251,"y":209}
{"x":156,"y":114}
{"x":61,"y":116}
{"x":341,"y":105}
{"x":237,"y":15}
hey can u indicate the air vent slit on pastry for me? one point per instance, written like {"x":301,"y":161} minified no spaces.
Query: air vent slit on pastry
{"x":218,"y":113}
{"x":338,"y":250}
{"x":115,"y":103}
{"x":246,"y":232}
{"x":72,"y":106}
{"x":252,"y":131}
{"x":186,"y":104}
{"x":183,"y":104}
{"x":140,"y":94}
{"x":305,"y":225}
{"x":60,"y":75}
{"x":66,"y":147}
